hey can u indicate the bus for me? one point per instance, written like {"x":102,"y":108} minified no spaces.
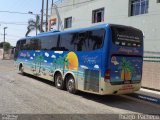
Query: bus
{"x":104,"y":59}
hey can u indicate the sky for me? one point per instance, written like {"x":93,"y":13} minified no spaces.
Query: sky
{"x":17,"y":23}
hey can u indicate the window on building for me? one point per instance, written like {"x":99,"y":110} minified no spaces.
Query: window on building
{"x":68,"y":22}
{"x":139,"y":7}
{"x":98,"y":15}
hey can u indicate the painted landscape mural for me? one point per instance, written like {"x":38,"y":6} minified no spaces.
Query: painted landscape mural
{"x":45,"y":63}
{"x":126,"y":68}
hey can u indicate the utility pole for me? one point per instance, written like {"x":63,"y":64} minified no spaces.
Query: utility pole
{"x":47,"y":16}
{"x":52,"y":3}
{"x":4,"y":39}
{"x":42,"y":10}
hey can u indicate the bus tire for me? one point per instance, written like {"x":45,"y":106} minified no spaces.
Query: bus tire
{"x":21,"y":69}
{"x":59,"y":83}
{"x":70,"y":85}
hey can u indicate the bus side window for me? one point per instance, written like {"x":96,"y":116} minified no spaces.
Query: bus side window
{"x":82,"y":41}
{"x":96,"y":38}
{"x":35,"y":44}
{"x":17,"y":49}
{"x":18,"y":45}
{"x":22,"y":44}
{"x":67,"y":41}
{"x":49,"y":42}
{"x":90,"y":40}
{"x":27,"y":45}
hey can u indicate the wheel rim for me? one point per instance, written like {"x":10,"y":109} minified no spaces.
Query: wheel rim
{"x":70,"y":84}
{"x":59,"y":81}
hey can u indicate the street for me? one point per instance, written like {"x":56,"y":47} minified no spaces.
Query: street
{"x":29,"y":95}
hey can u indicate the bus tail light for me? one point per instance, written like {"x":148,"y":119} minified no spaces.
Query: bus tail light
{"x":107,"y":76}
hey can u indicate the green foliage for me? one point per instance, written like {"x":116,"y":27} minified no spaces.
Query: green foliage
{"x":7,"y":46}
{"x":61,"y":62}
{"x":1,"y":45}
{"x":34,"y":25}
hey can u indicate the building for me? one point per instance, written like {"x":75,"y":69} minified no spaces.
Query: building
{"x":142,"y":14}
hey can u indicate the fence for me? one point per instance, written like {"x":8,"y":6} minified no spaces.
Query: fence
{"x":151,"y":72}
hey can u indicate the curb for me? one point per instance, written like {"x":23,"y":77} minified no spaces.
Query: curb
{"x":145,"y":98}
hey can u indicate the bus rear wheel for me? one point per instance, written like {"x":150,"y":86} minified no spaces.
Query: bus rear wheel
{"x":59,"y":83}
{"x":70,"y":85}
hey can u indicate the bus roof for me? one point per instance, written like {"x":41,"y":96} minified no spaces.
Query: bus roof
{"x":67,"y":31}
{"x":75,"y":30}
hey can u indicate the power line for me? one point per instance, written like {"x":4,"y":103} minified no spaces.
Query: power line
{"x":72,"y":4}
{"x":15,"y":12}
{"x":75,"y":4}
{"x":13,"y":23}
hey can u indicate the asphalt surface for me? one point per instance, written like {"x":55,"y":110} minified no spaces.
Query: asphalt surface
{"x":30,"y":95}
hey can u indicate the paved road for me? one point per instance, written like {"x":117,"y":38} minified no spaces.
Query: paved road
{"x":28,"y":95}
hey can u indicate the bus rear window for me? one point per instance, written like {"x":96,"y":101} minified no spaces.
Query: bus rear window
{"x":126,"y":36}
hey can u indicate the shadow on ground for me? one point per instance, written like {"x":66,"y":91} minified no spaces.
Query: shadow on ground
{"x":116,"y":101}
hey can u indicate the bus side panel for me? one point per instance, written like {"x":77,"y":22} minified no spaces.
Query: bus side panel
{"x":85,"y":66}
{"x":89,"y":71}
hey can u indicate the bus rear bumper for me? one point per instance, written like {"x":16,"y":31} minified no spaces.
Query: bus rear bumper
{"x":120,"y":89}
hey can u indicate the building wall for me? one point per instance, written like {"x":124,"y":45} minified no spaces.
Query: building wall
{"x":1,"y":53}
{"x":116,"y":12}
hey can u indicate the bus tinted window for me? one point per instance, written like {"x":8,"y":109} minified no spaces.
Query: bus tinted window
{"x":81,"y":44}
{"x":82,"y":41}
{"x":90,"y":40}
{"x":96,"y":39}
{"x":27,"y":45}
{"x":49,"y":42}
{"x":35,"y":44}
{"x":68,"y":42}
{"x":18,"y":45}
{"x":22,"y":44}
{"x":126,"y":36}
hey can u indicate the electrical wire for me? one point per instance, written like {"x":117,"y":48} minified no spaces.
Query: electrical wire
{"x":14,"y":23}
{"x":15,"y":12}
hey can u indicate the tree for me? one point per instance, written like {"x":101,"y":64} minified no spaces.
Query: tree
{"x":127,"y":69}
{"x":34,"y":25}
{"x":1,"y":44}
{"x":7,"y":46}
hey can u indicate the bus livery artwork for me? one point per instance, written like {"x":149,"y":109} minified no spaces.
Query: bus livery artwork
{"x":126,"y":55}
{"x":103,"y":59}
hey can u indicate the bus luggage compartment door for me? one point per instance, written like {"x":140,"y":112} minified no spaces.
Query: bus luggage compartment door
{"x":91,"y":80}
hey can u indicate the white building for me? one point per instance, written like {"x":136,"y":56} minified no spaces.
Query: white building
{"x":142,"y":14}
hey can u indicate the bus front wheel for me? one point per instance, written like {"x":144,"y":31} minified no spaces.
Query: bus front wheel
{"x":71,"y":87}
{"x":59,"y":83}
{"x":21,"y":69}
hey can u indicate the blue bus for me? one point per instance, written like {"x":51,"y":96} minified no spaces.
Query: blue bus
{"x":103,"y":59}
